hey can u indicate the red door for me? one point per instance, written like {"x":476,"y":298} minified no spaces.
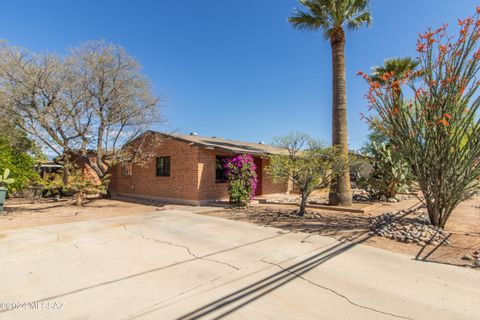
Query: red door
{"x":258,"y":164}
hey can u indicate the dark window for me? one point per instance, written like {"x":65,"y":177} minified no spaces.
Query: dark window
{"x":163,"y":167}
{"x":220,"y":172}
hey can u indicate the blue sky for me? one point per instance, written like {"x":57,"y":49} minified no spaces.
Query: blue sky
{"x":234,"y":69}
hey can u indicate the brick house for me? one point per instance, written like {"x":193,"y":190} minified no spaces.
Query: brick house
{"x":187,"y":169}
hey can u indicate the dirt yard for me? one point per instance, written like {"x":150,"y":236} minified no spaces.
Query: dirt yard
{"x":463,"y":228}
{"x":21,"y":213}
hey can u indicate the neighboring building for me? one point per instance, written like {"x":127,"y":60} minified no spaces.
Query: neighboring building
{"x":81,"y":161}
{"x":46,"y":168}
{"x":188,"y":169}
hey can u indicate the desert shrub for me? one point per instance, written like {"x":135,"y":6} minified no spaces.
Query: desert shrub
{"x":306,"y":163}
{"x":80,"y":185}
{"x":241,"y":178}
{"x":431,"y":116}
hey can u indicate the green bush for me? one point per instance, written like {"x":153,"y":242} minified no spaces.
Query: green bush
{"x":21,"y":166}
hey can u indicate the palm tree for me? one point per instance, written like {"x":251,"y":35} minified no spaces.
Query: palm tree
{"x":398,"y":67}
{"x":331,"y":16}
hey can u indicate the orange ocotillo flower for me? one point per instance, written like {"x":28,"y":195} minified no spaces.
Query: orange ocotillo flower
{"x":444,"y":122}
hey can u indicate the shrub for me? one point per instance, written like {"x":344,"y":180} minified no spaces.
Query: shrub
{"x":431,"y":116}
{"x":21,"y":165}
{"x":241,"y":178}
{"x":306,"y":163}
{"x":80,"y":186}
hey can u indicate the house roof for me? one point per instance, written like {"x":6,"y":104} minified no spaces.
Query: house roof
{"x":214,"y":143}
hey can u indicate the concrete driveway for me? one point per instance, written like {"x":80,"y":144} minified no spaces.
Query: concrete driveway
{"x":179,"y":265}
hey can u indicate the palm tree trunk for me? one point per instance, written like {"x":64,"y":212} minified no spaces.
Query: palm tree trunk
{"x":340,"y":189}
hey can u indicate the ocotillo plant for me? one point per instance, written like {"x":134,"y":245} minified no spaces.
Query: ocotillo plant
{"x":433,"y":119}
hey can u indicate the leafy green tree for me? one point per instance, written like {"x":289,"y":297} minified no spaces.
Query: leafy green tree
{"x":331,"y":16}
{"x":17,"y":151}
{"x":20,"y":163}
{"x":436,"y":129}
{"x":306,"y":163}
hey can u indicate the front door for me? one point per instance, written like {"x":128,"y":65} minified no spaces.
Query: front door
{"x":259,"y":171}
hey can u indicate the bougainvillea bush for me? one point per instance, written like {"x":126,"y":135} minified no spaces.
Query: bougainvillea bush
{"x":241,"y":178}
{"x":431,"y":116}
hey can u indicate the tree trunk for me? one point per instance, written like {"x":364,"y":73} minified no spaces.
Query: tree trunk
{"x":97,"y":163}
{"x":66,"y":169}
{"x":79,"y":199}
{"x":434,"y":214}
{"x":303,"y":204}
{"x":340,"y":189}
{"x":66,"y":174}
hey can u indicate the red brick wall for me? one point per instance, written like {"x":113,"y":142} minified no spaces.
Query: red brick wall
{"x":192,"y":175}
{"x":181,"y":184}
{"x":81,"y":163}
{"x":268,"y":186}
{"x":208,"y":188}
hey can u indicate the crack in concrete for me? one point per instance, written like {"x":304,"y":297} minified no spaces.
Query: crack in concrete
{"x":71,"y":243}
{"x":59,"y":237}
{"x":179,"y":246}
{"x":304,"y":240}
{"x":336,"y":293}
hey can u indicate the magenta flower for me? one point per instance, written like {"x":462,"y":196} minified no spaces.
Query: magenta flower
{"x":242,"y":178}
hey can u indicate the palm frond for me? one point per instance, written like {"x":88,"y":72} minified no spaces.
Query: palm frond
{"x":360,"y":5}
{"x":363,"y":19}
{"x":304,"y":21}
{"x":330,"y":14}
{"x":399,"y":66}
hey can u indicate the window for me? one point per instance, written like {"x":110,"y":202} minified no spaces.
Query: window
{"x":126,"y":169}
{"x":163,"y":167}
{"x":220,"y":172}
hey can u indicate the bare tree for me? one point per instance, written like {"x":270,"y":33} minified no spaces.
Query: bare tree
{"x":118,"y":95}
{"x":94,"y":98}
{"x":34,"y":87}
